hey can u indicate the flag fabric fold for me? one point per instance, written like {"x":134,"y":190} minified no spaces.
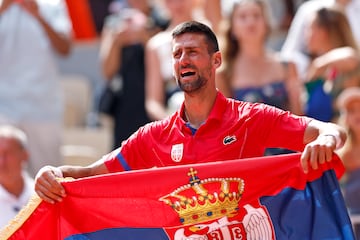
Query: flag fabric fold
{"x":255,"y":198}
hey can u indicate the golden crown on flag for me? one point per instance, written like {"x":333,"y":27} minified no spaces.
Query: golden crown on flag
{"x":205,"y":200}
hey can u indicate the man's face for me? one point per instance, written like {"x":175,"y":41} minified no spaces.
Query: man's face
{"x":192,"y":63}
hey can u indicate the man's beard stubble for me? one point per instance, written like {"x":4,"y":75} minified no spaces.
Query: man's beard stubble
{"x":191,"y":87}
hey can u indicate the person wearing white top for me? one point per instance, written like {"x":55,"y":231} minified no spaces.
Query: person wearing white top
{"x":16,"y":186}
{"x":32,"y":34}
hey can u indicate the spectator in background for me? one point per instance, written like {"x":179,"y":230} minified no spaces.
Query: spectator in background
{"x":212,"y":11}
{"x":349,"y":105}
{"x":295,"y":48}
{"x":282,"y":14}
{"x":16,"y":186}
{"x":122,"y":61}
{"x":251,"y":71}
{"x":162,"y":93}
{"x":99,"y":11}
{"x":335,"y":61}
{"x":32,"y":33}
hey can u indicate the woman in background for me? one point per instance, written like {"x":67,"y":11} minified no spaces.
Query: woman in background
{"x":335,"y":61}
{"x":122,"y":59}
{"x":252,"y":72}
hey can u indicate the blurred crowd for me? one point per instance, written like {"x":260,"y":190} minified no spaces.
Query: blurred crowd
{"x":298,"y":55}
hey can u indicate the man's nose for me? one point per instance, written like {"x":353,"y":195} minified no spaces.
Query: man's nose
{"x":184,"y":59}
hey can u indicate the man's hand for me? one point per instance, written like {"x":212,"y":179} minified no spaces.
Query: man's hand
{"x":47,"y":186}
{"x":318,"y":152}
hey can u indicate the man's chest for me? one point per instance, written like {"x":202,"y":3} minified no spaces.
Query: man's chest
{"x":216,"y":145}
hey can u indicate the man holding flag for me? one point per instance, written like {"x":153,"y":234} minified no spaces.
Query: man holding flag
{"x":207,"y":128}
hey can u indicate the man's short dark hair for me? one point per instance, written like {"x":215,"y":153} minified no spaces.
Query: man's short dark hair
{"x":197,"y":27}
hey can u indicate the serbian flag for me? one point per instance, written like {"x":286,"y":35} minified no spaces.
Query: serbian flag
{"x":257,"y":198}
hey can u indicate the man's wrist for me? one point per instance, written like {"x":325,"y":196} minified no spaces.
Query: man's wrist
{"x":57,"y":172}
{"x":336,"y":136}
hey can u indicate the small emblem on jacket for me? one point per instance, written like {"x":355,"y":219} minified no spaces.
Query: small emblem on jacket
{"x":177,"y":152}
{"x":229,"y":139}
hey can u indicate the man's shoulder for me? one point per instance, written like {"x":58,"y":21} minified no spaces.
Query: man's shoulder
{"x":241,"y":105}
{"x":250,"y":110}
{"x":159,"y":126}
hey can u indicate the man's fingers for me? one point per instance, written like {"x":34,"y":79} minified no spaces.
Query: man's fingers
{"x":314,"y":157}
{"x":48,"y":194}
{"x":48,"y":187}
{"x":316,"y":154}
{"x":329,"y":155}
{"x":304,"y":160}
{"x":53,"y":184}
{"x":45,"y":197}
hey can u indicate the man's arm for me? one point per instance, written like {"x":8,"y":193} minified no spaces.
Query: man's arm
{"x":321,"y":140}
{"x":47,"y":184}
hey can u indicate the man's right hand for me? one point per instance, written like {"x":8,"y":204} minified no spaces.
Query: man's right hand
{"x":47,"y":186}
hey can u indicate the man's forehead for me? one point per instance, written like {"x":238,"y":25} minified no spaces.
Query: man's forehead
{"x":189,"y":40}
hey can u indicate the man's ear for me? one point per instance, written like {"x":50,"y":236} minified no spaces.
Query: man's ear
{"x":217,"y":59}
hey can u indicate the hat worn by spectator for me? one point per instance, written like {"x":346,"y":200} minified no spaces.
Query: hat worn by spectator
{"x":347,"y":96}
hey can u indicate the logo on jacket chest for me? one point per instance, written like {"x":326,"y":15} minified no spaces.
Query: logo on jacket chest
{"x":177,"y":152}
{"x":229,"y":139}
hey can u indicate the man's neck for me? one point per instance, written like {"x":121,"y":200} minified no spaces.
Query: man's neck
{"x":198,"y":108}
